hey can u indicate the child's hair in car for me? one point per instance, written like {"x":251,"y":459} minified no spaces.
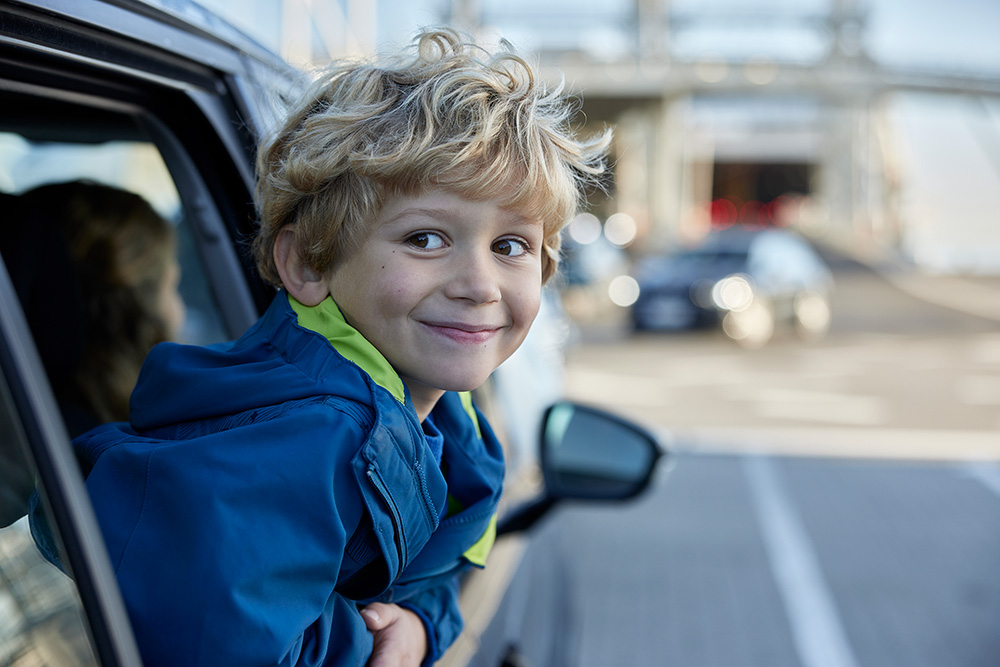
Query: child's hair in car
{"x":101,"y":256}
{"x":454,"y":117}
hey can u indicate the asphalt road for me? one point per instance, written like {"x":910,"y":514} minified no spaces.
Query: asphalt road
{"x":830,"y":504}
{"x":896,"y":377}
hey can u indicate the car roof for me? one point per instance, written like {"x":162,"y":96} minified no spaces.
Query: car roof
{"x":192,"y":17}
{"x":739,"y":239}
{"x":180,"y":27}
{"x":171,"y":43}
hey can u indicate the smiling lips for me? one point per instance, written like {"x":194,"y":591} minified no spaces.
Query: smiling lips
{"x":464,"y":333}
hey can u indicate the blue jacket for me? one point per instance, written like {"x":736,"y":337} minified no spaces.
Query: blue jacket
{"x":267,"y":487}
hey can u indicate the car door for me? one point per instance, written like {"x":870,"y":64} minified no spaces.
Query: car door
{"x":134,"y":98}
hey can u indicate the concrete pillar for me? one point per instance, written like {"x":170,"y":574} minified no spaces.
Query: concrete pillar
{"x":832,"y":210}
{"x":633,"y":168}
{"x":666,"y":180}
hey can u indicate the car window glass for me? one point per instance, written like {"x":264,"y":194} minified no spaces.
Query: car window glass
{"x":41,"y":616}
{"x":135,"y":166}
{"x":772,"y":254}
{"x":791,"y":255}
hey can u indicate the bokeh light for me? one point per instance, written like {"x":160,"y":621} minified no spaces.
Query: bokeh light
{"x":623,"y":291}
{"x":733,"y":293}
{"x":585,"y":228}
{"x":621,"y":229}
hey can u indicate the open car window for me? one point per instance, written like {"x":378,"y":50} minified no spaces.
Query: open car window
{"x":115,"y":150}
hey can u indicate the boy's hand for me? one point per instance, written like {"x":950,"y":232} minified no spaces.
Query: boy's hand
{"x":400,"y":639}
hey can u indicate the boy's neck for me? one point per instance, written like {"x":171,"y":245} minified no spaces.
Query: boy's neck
{"x":424,"y":404}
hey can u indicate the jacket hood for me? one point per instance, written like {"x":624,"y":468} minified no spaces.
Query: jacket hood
{"x":256,"y":371}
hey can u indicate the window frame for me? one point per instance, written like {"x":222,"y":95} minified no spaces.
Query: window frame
{"x":59,"y":474}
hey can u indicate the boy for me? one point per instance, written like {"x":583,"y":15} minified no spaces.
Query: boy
{"x":308,"y":494}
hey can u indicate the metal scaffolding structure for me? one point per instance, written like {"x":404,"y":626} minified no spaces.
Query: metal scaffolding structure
{"x":680,"y":115}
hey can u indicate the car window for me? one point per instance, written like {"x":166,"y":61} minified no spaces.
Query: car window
{"x":41,"y":616}
{"x":164,"y":155}
{"x":132,"y":165}
{"x":777,"y":254}
{"x":773,"y":253}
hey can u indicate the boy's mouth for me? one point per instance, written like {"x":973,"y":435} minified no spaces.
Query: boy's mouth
{"x":463,"y":332}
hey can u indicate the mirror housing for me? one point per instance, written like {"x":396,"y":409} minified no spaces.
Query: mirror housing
{"x":587,"y":454}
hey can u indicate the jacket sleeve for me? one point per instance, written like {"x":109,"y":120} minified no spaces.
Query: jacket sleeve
{"x":228,"y":546}
{"x":439,"y":611}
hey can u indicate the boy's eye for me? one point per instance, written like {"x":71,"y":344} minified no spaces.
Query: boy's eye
{"x":510,"y":247}
{"x":426,"y":240}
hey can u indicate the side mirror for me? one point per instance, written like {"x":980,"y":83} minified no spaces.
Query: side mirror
{"x":590,"y":454}
{"x":587,"y":454}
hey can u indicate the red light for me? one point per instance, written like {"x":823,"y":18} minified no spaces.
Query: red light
{"x":750,"y":214}
{"x":783,"y":210}
{"x":724,"y":213}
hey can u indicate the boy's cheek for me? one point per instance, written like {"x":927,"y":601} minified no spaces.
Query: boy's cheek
{"x":534,"y":315}
{"x":530,"y":320}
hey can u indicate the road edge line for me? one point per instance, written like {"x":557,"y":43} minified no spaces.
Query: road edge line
{"x":812,"y":613}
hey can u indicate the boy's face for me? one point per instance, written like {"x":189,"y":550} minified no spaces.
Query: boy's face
{"x":445,"y":287}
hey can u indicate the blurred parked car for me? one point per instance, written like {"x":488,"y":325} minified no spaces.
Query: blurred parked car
{"x":749,"y":281}
{"x":165,"y":100}
{"x":587,"y":276}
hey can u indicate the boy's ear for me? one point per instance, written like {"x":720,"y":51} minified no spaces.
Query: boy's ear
{"x":307,"y":286}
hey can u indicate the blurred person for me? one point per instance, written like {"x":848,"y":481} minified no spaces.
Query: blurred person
{"x":96,"y":270}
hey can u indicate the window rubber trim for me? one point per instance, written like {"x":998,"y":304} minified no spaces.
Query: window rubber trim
{"x":85,"y":553}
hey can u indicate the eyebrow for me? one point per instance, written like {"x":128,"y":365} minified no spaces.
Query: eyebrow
{"x":423,"y":211}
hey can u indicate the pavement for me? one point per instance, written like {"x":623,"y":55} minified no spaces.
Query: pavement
{"x":974,"y":295}
{"x":748,"y":561}
{"x":977,"y":294}
{"x":896,"y":340}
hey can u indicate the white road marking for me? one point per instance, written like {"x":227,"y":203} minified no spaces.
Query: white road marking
{"x":988,"y":474}
{"x":815,"y":622}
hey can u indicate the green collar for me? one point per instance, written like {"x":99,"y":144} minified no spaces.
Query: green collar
{"x":327,"y":320}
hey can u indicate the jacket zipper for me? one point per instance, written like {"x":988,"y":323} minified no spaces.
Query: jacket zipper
{"x":397,"y":520}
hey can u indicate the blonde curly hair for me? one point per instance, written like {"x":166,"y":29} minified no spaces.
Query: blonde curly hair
{"x":455,"y":117}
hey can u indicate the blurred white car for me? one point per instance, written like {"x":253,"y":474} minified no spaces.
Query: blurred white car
{"x":749,"y":281}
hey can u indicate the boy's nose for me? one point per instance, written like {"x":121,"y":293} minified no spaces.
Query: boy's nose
{"x":475,"y":278}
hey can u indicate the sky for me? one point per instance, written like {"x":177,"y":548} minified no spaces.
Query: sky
{"x":951,"y":35}
{"x":932,"y":34}
{"x":956,"y":35}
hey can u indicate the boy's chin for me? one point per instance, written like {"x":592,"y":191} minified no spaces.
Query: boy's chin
{"x":470,"y":385}
{"x":435,"y":391}
{"x":467,"y":386}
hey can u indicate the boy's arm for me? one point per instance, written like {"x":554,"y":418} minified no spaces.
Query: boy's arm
{"x":231,"y":563}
